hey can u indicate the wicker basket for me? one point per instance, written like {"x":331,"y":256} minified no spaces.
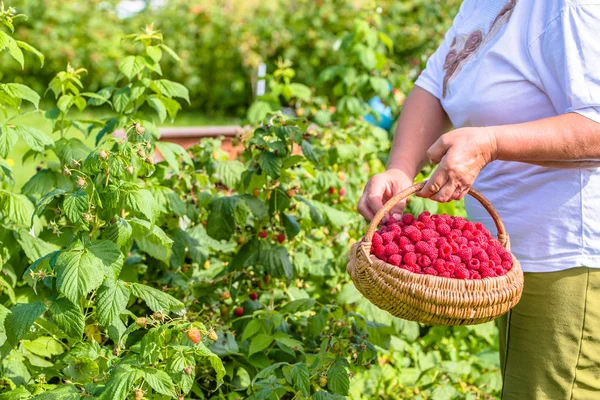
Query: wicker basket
{"x":432,"y":299}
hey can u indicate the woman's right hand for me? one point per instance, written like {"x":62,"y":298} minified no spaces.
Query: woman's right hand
{"x":380,"y":189}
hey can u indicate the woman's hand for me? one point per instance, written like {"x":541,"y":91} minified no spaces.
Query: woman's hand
{"x":380,"y":189}
{"x":461,"y":155}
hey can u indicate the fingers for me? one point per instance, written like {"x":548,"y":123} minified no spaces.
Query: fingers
{"x":437,"y":151}
{"x":363,"y":208}
{"x":434,"y":184}
{"x":460,"y":193}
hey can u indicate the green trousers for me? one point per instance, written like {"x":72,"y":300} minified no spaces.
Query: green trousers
{"x":550,"y":342}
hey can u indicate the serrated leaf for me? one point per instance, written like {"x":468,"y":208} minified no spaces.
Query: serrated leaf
{"x":300,"y":91}
{"x":259,"y":343}
{"x":314,"y":214}
{"x":338,"y":380}
{"x":156,"y":300}
{"x":20,"y":91}
{"x":201,"y":350}
{"x":101,"y":97}
{"x":271,"y":164}
{"x":276,"y":261}
{"x":256,"y":205}
{"x":171,"y":89}
{"x":120,"y":383}
{"x":229,"y":172}
{"x":159,"y":381}
{"x":47,"y":199}
{"x":34,"y":248}
{"x":221,"y":220}
{"x":75,"y":205}
{"x":118,"y":232}
{"x":111,"y":301}
{"x":252,"y":329}
{"x":159,"y":106}
{"x":8,"y":138}
{"x":152,"y":240}
{"x":121,"y":99}
{"x":68,"y":317}
{"x":172,"y":152}
{"x":16,"y":208}
{"x":130,"y":66}
{"x":308,"y":152}
{"x":258,"y":111}
{"x":141,"y":202}
{"x":71,"y":149}
{"x":110,"y":255}
{"x":292,"y":227}
{"x":78,"y":272}
{"x":62,"y":392}
{"x":21,"y":318}
{"x":29,"y":48}
{"x":301,"y":378}
{"x":35,"y":139}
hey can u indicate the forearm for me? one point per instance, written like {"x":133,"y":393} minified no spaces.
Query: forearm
{"x":565,"y":141}
{"x":421,"y":123}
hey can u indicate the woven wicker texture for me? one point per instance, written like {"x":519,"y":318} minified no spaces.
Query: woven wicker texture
{"x":432,"y":299}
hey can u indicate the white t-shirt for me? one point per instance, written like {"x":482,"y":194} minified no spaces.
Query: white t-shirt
{"x":512,"y":61}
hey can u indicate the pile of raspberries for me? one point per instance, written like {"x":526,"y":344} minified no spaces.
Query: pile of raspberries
{"x":441,"y":245}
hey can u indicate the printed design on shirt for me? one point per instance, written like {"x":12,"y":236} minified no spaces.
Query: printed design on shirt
{"x":464,"y":47}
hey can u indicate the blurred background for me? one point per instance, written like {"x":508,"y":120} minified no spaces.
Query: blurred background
{"x":222,"y":43}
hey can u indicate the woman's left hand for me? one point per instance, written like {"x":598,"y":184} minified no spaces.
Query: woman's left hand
{"x":461,"y":155}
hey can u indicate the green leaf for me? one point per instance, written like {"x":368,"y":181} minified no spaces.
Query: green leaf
{"x":259,"y":343}
{"x":367,"y":57}
{"x":68,"y":317}
{"x":445,"y":392}
{"x":170,"y":52}
{"x":141,"y":202}
{"x":119,"y":232}
{"x":258,"y":111}
{"x":101,"y":97}
{"x":62,"y":392}
{"x":155,"y":299}
{"x":111,"y":301}
{"x":324,"y":395}
{"x":159,"y":381}
{"x":69,"y":149}
{"x":308,"y":152}
{"x":271,"y":164}
{"x":276,"y":261}
{"x":256,"y":205}
{"x":81,"y":368}
{"x":15,"y":51}
{"x":65,"y":102}
{"x":17,"y":208}
{"x":8,"y":138}
{"x":78,"y":272}
{"x":292,"y":227}
{"x":75,"y":205}
{"x":381,"y":86}
{"x":20,"y":91}
{"x":314,"y":214}
{"x":130,"y":66}
{"x":172,"y":152}
{"x":35,"y":139}
{"x":221,"y":220}
{"x":300,"y":91}
{"x":33,"y":247}
{"x":120,"y":383}
{"x":29,"y":48}
{"x":21,"y":318}
{"x":159,"y":106}
{"x":152,"y":240}
{"x":338,"y":380}
{"x":301,"y":378}
{"x":298,"y":305}
{"x":201,"y":350}
{"x":44,"y":346}
{"x":47,"y":199}
{"x":252,"y":329}
{"x":229,"y":172}
{"x":154,"y":52}
{"x":121,"y":99}
{"x":171,"y":89}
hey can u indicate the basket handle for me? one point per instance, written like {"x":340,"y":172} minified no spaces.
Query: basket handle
{"x":502,"y":235}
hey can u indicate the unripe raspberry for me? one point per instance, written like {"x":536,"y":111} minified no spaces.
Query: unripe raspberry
{"x":149,"y":160}
{"x":239,"y":311}
{"x":129,"y":169}
{"x":225,"y":295}
{"x":194,"y":335}
{"x":212,"y":335}
{"x":188,"y":371}
{"x":141,"y":153}
{"x":323,"y":380}
{"x":332,"y":190}
{"x":103,"y":154}
{"x":138,"y":394}
{"x":141,"y":322}
{"x":66,"y":171}
{"x":410,"y":259}
{"x":139,"y":129}
{"x":81,"y":181}
{"x":87,"y":217}
{"x":291,"y":193}
{"x":256,"y":192}
{"x":342,"y":192}
{"x":408,"y":219}
{"x":395,"y":259}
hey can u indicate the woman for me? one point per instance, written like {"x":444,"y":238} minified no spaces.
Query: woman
{"x":520,"y":82}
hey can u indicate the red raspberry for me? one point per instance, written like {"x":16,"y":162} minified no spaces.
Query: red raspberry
{"x":496,"y":259}
{"x":474,"y":275}
{"x":280,"y":238}
{"x":194,"y":335}
{"x":379,"y":252}
{"x":479,"y":227}
{"x":474,"y":264}
{"x":408,"y":219}
{"x":395,"y":259}
{"x":450,"y":266}
{"x":427,"y":234}
{"x":391,"y":249}
{"x":458,"y":223}
{"x":253,"y":296}
{"x":487,"y":273}
{"x":492,"y":264}
{"x":407,"y":267}
{"x":468,"y":234}
{"x":455,"y":259}
{"x":446,"y":274}
{"x":409,"y":248}
{"x":505,"y":256}
{"x":424,"y":216}
{"x":403,"y":241}
{"x":481,"y":255}
{"x":262,"y":234}
{"x":410,"y":259}
{"x":377,"y":240}
{"x":430,"y":271}
{"x":469,"y":227}
{"x":395,"y":228}
{"x":432,"y":252}
{"x":454,"y":237}
{"x":412,"y":233}
{"x":499,"y":271}
{"x":430,"y":225}
{"x":484,"y":264}
{"x":507,"y":265}
{"x":461,"y":273}
{"x":455,"y":247}
{"x":417,"y":269}
{"x":423,"y":261}
{"x":419,"y":225}
{"x":239,"y":311}
{"x":464,"y":253}
{"x":387,"y":237}
{"x":440,"y":241}
{"x":445,"y":251}
{"x":439,"y":265}
{"x":443,"y":229}
{"x":473,"y":245}
{"x":421,"y":247}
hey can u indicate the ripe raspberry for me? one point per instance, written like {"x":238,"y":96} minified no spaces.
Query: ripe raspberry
{"x":499,"y":271}
{"x":506,"y":256}
{"x":342,"y":192}
{"x":403,"y":241}
{"x":423,"y":261}
{"x":194,"y":335}
{"x":506,"y":265}
{"x":487,"y":273}
{"x":474,"y":275}
{"x":430,"y":271}
{"x":432,"y":252}
{"x":383,"y":229}
{"x":427,"y":234}
{"x":446,"y":274}
{"x":412,"y":233}
{"x":239,"y":311}
{"x":469,"y":227}
{"x":419,"y":225}
{"x":421,"y":247}
{"x":496,"y":259}
{"x":455,"y":246}
{"x":481,"y":255}
{"x":484,"y":264}
{"x":332,"y":190}
{"x":454,"y":237}
{"x":492,"y":264}
{"x":410,"y":259}
{"x":464,"y":253}
{"x":394,"y":228}
{"x":473,"y":245}
{"x":439,"y":265}
{"x":455,"y":259}
{"x":262,"y":234}
{"x":395,"y":259}
{"x":445,"y":251}
{"x":253,"y":296}
{"x":479,"y":227}
{"x":387,"y":237}
{"x":461,"y":273}
{"x":409,"y":248}
{"x":424,"y":214}
{"x":408,"y":219}
{"x":443,"y":229}
{"x":474,"y":264}
{"x":459,"y":223}
{"x":430,"y":225}
{"x":450,"y":266}
{"x":281,"y":238}
{"x":379,"y":252}
{"x":440,"y":241}
{"x":468,"y":234}
{"x":391,"y":249}
{"x":377,"y":240}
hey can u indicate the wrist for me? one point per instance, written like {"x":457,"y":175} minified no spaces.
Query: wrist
{"x":493,"y":144}
{"x":401,"y":170}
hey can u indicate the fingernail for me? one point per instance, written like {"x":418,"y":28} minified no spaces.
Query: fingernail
{"x":397,"y":216}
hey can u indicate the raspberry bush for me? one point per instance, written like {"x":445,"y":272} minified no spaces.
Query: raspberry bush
{"x":197,"y":276}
